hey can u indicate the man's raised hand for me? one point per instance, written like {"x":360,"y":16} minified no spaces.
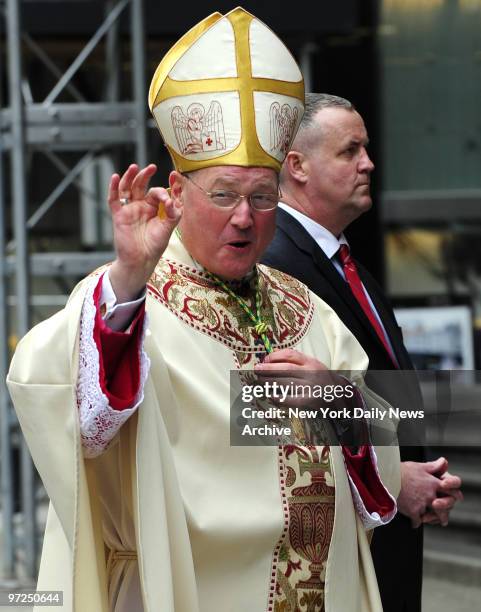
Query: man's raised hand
{"x":142,"y":228}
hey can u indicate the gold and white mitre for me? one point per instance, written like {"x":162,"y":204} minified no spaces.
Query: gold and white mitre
{"x":229,"y":92}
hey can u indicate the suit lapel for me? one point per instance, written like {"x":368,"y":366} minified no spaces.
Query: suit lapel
{"x":387,"y":319}
{"x":324,"y":265}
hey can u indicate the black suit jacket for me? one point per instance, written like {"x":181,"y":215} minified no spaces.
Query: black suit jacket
{"x":396,"y":548}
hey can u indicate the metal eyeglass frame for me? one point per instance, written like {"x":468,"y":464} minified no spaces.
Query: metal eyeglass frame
{"x":239,"y":196}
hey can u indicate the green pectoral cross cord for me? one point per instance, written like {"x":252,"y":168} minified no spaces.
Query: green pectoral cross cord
{"x":260,"y":326}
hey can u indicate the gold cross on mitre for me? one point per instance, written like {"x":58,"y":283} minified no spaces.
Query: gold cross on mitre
{"x":228,"y":92}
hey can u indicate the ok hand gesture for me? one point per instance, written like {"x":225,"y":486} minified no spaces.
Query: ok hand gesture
{"x":143,"y":221}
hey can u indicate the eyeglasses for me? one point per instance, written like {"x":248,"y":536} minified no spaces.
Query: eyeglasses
{"x":261,"y":202}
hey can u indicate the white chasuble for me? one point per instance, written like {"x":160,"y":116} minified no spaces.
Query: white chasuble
{"x":170,"y":512}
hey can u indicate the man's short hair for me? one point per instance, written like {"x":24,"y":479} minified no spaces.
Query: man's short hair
{"x":317,"y":101}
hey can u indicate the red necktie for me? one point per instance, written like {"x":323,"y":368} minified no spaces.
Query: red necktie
{"x":352,"y":277}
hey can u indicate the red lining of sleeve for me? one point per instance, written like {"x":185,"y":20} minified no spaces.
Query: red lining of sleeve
{"x":364,"y":476}
{"x":119,"y":356}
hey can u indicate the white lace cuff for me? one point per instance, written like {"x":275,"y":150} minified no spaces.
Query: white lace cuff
{"x":370,"y":520}
{"x":99,"y":422}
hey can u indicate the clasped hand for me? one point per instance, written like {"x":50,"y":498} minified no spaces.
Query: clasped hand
{"x":428,"y":491}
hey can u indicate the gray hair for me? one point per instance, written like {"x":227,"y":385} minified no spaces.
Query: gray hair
{"x":317,"y":101}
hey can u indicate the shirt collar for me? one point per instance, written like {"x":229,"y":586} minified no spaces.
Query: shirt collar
{"x":322,"y":236}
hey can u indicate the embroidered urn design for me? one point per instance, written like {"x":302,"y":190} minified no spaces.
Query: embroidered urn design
{"x":311,"y":510}
{"x":303,"y":550}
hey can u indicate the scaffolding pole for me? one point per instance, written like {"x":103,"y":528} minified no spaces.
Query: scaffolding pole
{"x":6,"y":476}
{"x":138,"y":79}
{"x":22,"y":284}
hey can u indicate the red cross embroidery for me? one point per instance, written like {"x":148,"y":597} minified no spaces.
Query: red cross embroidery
{"x":208,"y":142}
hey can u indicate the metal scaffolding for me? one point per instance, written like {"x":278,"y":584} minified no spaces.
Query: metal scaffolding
{"x":53,"y":128}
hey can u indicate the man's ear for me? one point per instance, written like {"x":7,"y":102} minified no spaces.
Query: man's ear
{"x":297,"y":167}
{"x":176,"y":182}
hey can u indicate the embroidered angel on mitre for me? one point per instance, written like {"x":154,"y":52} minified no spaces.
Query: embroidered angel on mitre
{"x":283,"y":120}
{"x":198,"y":131}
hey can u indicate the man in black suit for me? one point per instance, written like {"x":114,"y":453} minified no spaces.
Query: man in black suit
{"x":325,"y":186}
